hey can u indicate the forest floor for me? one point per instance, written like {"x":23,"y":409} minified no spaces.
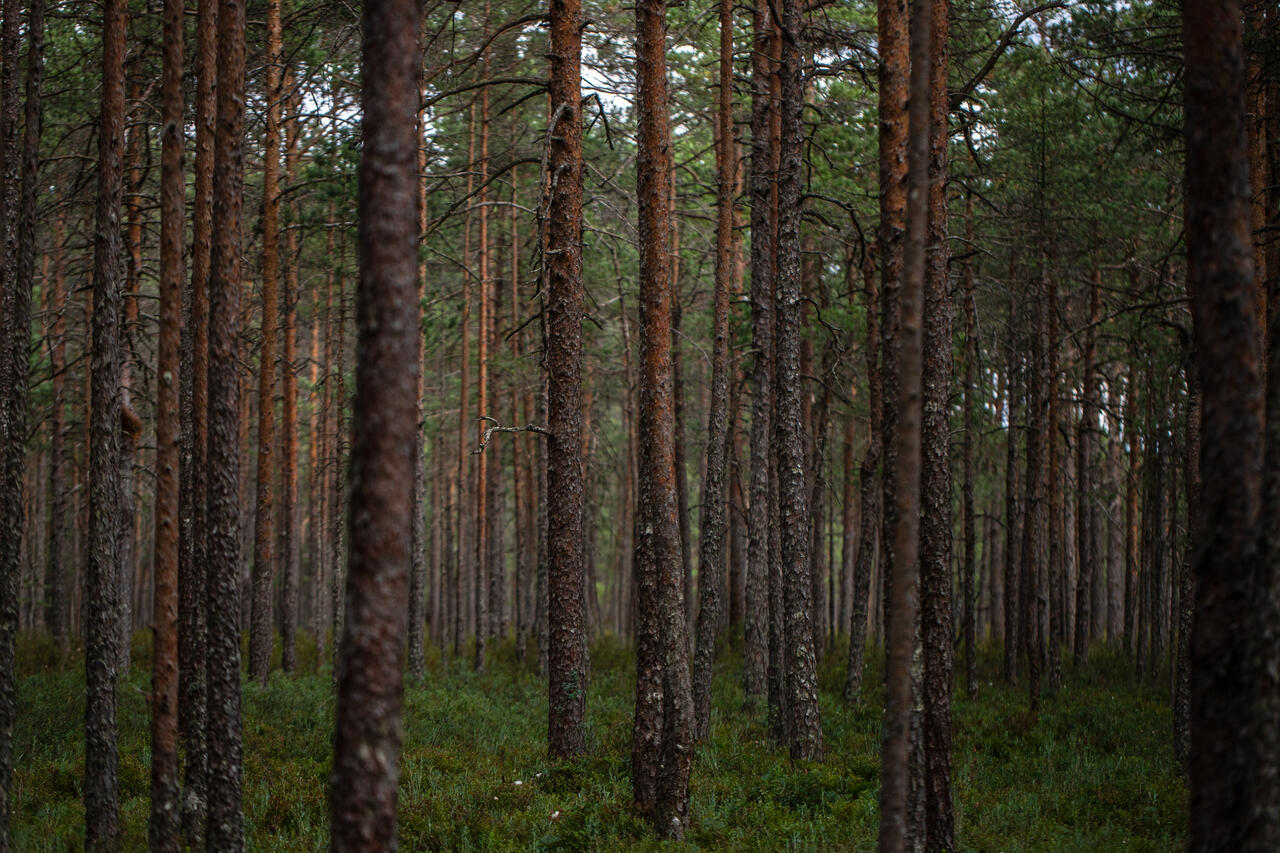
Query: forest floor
{"x":1094,"y":771}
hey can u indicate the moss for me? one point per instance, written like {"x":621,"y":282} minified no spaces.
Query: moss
{"x":1093,"y":771}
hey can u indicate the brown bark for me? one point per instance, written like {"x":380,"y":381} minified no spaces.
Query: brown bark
{"x":1013,"y":515}
{"x":1039,"y":398}
{"x":871,"y":492}
{"x":935,"y":485}
{"x":466,"y":531}
{"x":1131,"y":516}
{"x":15,"y":344}
{"x":895,"y":817}
{"x":804,"y":730}
{"x":1055,"y":528}
{"x":1232,"y":749}
{"x":418,"y":581}
{"x":968,"y":573}
{"x":102,"y":589}
{"x":563,"y":531}
{"x":362,"y":796}
{"x":194,"y":570}
{"x":165,"y":823}
{"x":57,"y":592}
{"x":225,"y":830}
{"x":662,"y":736}
{"x":762,"y":243}
{"x":483,"y":522}
{"x":264,"y":561}
{"x":289,"y":569}
{"x":711,"y":547}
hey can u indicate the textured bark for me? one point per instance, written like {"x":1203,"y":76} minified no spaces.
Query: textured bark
{"x":935,"y":483}
{"x":418,"y":581}
{"x":1232,"y":767}
{"x":193,"y":573}
{"x":662,"y":740}
{"x":892,"y":76}
{"x":164,"y":829}
{"x":15,"y":345}
{"x":804,"y":731}
{"x":1039,"y":397}
{"x":57,"y":587}
{"x":968,"y":572}
{"x":1131,"y":517}
{"x":871,"y":492}
{"x":895,"y":817}
{"x":362,"y":794}
{"x":289,"y":533}
{"x":225,"y":829}
{"x":483,"y":521}
{"x":711,"y":580}
{"x":567,"y":653}
{"x":264,"y":563}
{"x":762,"y":242}
{"x":106,"y":495}
{"x":1186,"y":582}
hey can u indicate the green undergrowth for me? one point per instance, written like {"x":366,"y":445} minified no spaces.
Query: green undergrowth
{"x":1092,"y":771}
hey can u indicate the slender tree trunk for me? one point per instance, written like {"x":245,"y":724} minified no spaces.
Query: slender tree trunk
{"x":164,"y":829}
{"x":466,"y":544}
{"x":263,"y":557}
{"x":1086,"y":561}
{"x":57,"y":592}
{"x":567,"y":655}
{"x":871,"y":491}
{"x":661,"y":753}
{"x":935,"y":523}
{"x":289,"y":563}
{"x":1033,"y":533}
{"x":1013,"y":515}
{"x":362,"y":796}
{"x":762,"y":254}
{"x":15,"y":344}
{"x":102,"y":589}
{"x":968,"y":573}
{"x":483,"y":522}
{"x":711,"y":546}
{"x":418,"y":582}
{"x":193,"y":573}
{"x":1055,"y":529}
{"x":895,"y":816}
{"x":225,"y":831}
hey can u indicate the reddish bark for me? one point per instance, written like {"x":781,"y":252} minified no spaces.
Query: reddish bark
{"x":567,"y":652}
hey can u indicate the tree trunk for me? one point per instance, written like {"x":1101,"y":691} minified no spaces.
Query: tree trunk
{"x":762,"y":255}
{"x":15,"y":344}
{"x":935,"y":510}
{"x":968,"y":573}
{"x":289,"y":575}
{"x":711,"y":547}
{"x":165,"y":812}
{"x":102,"y":590}
{"x":871,"y":492}
{"x":260,"y":633}
{"x":662,"y":742}
{"x":225,"y":831}
{"x":1232,"y":755}
{"x":1013,"y":514}
{"x":567,"y":653}
{"x":362,"y":796}
{"x":1087,"y":560}
{"x":194,"y":570}
{"x":57,"y":591}
{"x":895,"y":817}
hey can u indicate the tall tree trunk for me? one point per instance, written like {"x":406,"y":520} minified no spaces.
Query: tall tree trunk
{"x":1087,"y":560}
{"x":225,"y":830}
{"x":762,"y":254}
{"x":102,"y":590}
{"x":483,"y":522}
{"x":193,"y":572}
{"x":1013,"y":514}
{"x":567,"y":653}
{"x":661,"y":753}
{"x":968,"y":573}
{"x":263,"y":557}
{"x":289,"y":575}
{"x":901,"y":615}
{"x":57,"y":591}
{"x":711,"y":546}
{"x":1039,"y":398}
{"x":418,"y":582}
{"x":1232,"y":763}
{"x":935,"y":485}
{"x":1055,"y":529}
{"x":362,"y":796}
{"x":466,"y":544}
{"x":164,"y":829}
{"x":871,"y":490}
{"x":15,"y":344}
{"x":804,"y":730}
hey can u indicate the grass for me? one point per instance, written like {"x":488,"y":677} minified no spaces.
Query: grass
{"x":1093,"y":771}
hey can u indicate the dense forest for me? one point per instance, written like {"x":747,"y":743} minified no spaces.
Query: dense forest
{"x":498,"y":425}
